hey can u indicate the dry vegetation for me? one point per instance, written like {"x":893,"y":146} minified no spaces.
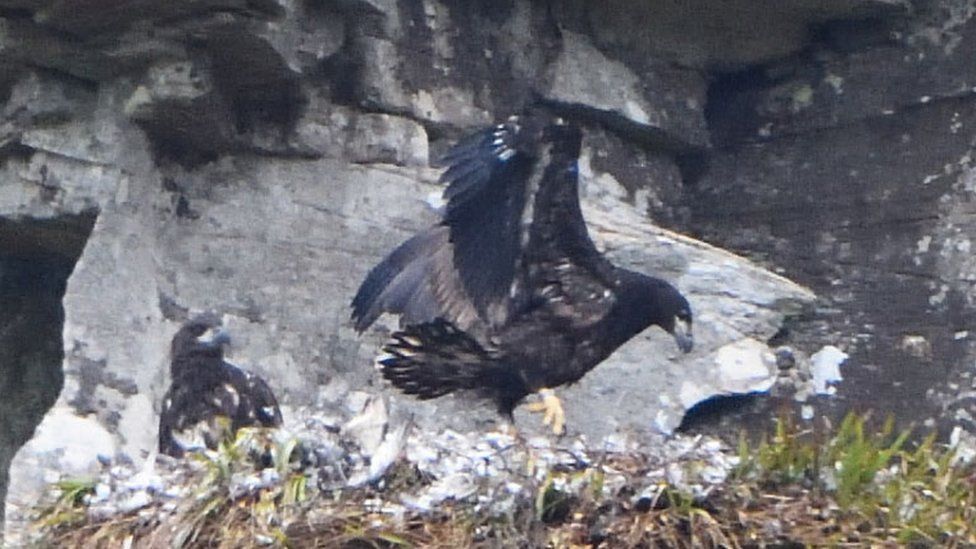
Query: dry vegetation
{"x":847,"y":487}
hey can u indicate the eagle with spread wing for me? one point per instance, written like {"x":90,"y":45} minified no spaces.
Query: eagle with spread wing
{"x":209,"y":398}
{"x":507,"y":295}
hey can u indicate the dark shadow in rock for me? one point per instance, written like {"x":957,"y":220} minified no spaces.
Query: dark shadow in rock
{"x":728,"y":416}
{"x":731,"y":105}
{"x":36,"y":259}
{"x":267,"y":93}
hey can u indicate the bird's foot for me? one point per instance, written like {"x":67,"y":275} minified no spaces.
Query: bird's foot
{"x":552,"y":409}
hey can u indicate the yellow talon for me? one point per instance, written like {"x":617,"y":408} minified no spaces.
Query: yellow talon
{"x":552,"y":408}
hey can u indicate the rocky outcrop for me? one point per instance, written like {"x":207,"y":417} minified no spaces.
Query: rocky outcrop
{"x":257,"y":158}
{"x":858,"y":160}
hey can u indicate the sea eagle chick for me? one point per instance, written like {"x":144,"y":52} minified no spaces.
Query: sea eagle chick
{"x":507,"y":295}
{"x":208,"y":398}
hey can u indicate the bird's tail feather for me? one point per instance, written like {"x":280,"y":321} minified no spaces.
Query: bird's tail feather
{"x":435,"y":358}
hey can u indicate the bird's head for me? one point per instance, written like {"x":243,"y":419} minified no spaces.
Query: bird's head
{"x":652,"y":301}
{"x":202,"y":334}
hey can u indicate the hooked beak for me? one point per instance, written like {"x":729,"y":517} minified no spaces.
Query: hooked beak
{"x":219,"y":337}
{"x":682,"y":335}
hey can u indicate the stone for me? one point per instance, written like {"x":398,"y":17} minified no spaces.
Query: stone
{"x":39,"y":98}
{"x":65,"y":445}
{"x":406,"y":63}
{"x":179,"y":105}
{"x":825,"y":367}
{"x":662,"y":102}
{"x":25,"y":44}
{"x":105,"y":17}
{"x":929,"y":61}
{"x":745,"y":366}
{"x":875,"y":216}
{"x":25,"y":4}
{"x":335,"y":131}
{"x":726,"y":36}
{"x":616,"y":170}
{"x":380,"y":87}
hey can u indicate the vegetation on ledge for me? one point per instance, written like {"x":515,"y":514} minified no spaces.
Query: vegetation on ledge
{"x":845,"y":486}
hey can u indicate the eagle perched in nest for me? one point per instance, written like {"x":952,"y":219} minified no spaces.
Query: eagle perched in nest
{"x":208,"y":398}
{"x":507,"y":295}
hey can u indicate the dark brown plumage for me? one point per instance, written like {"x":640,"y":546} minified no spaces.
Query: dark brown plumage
{"x":507,"y":295}
{"x":209,"y":398}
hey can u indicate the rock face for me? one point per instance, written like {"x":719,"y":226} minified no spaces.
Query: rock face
{"x":257,"y":158}
{"x":852,"y":172}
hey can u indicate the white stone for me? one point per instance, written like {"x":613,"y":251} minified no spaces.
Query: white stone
{"x":825,"y":368}
{"x":368,"y":426}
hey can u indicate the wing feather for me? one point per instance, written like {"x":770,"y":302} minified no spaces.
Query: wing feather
{"x":566,"y":271}
{"x":489,"y":178}
{"x":512,"y":237}
{"x":418,"y":282}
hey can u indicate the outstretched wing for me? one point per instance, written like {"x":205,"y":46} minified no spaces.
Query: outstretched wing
{"x":490,"y":185}
{"x":565,"y":271}
{"x":418,"y":282}
{"x":463,"y":269}
{"x":512,"y":237}
{"x":515,"y":223}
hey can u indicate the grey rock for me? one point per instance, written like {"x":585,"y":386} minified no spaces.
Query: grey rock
{"x":65,"y":446}
{"x":662,"y":101}
{"x":407,"y":61}
{"x":335,"y":131}
{"x":380,"y":87}
{"x":258,"y":58}
{"x":615,"y":170}
{"x":24,"y":44}
{"x":930,"y":61}
{"x":26,"y":4}
{"x":108,"y":16}
{"x":40,"y":99}
{"x":873,"y":216}
{"x":179,"y":103}
{"x":727,"y":35}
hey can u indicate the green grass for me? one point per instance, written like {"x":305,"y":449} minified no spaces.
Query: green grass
{"x":68,"y":508}
{"x":849,"y":485}
{"x":881,"y":485}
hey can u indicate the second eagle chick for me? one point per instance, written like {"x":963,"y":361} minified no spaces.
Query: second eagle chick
{"x":209,"y":398}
